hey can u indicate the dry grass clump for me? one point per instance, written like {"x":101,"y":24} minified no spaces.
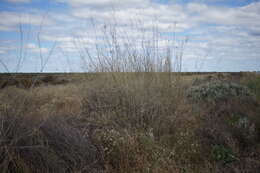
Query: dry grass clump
{"x":151,"y":107}
{"x":33,"y":139}
{"x":58,"y":100}
{"x":137,"y":104}
{"x":44,"y":100}
{"x":31,"y":80}
{"x":51,"y":145}
{"x":126,"y":151}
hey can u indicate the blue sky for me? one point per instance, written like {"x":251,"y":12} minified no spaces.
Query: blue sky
{"x":51,"y":35}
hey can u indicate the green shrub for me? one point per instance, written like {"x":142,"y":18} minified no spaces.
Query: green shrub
{"x":238,"y":121}
{"x":254,"y":86}
{"x":217,"y":91}
{"x":223,"y":154}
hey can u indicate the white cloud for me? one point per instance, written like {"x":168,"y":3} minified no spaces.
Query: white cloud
{"x":154,"y":14}
{"x":19,"y":1}
{"x":105,"y":3}
{"x":59,"y":38}
{"x":246,"y":16}
{"x":36,"y":49}
{"x":187,"y":17}
{"x":6,"y":28}
{"x":13,"y":19}
{"x":31,"y":46}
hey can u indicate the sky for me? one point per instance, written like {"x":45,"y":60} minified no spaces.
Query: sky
{"x":52,"y":35}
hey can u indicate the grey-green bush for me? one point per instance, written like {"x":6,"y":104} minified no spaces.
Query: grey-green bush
{"x":217,"y":91}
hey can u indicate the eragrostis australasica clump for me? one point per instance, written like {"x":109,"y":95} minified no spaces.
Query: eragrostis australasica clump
{"x":51,"y":145}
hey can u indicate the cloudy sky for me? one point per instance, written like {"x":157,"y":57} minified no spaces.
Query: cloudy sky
{"x":49,"y":35}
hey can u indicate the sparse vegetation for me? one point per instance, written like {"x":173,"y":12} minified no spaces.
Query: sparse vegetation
{"x":129,"y":122}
